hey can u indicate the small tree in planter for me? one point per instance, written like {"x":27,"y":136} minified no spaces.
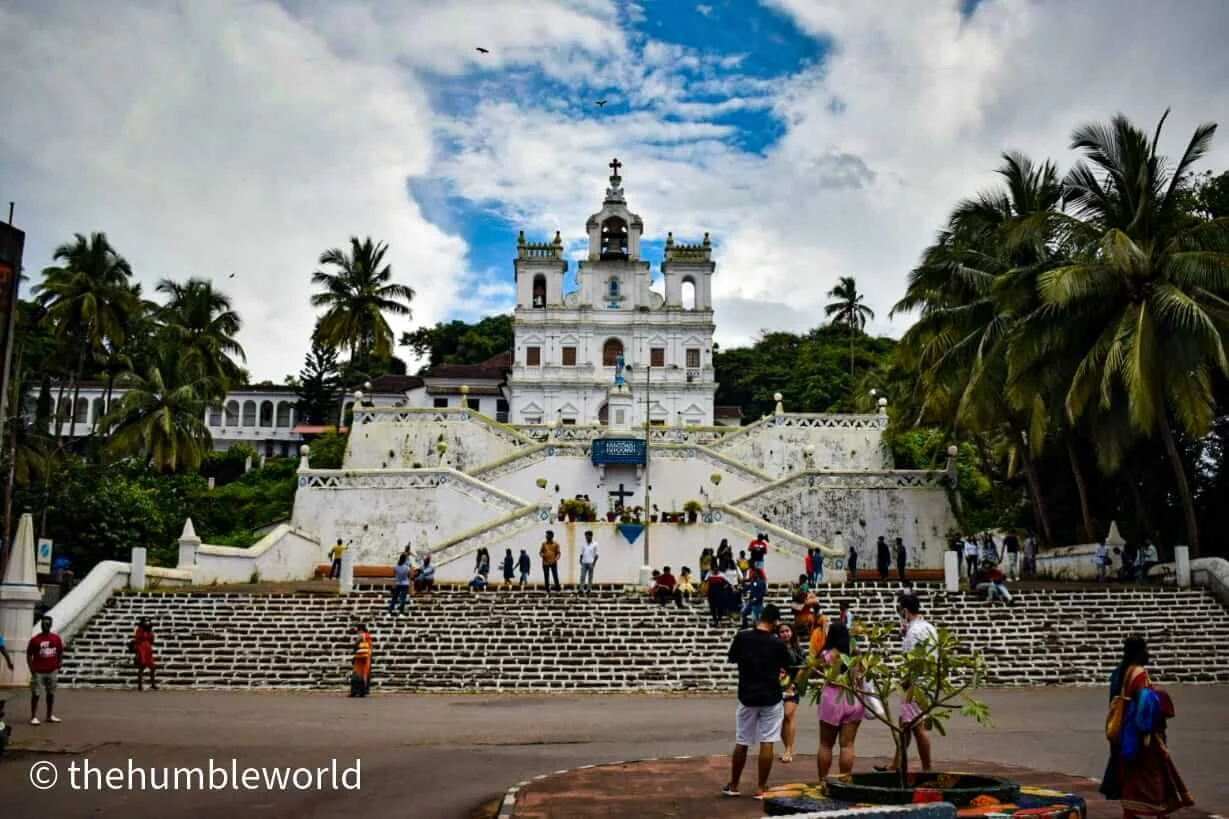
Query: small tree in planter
{"x":937,"y":676}
{"x":692,"y":508}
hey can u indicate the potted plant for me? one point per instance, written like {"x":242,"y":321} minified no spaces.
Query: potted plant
{"x":715,"y":478}
{"x":638,"y":514}
{"x":937,"y":676}
{"x":541,"y":482}
{"x":611,"y":516}
{"x":692,"y":508}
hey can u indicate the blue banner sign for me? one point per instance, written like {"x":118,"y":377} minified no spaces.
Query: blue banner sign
{"x":618,"y":451}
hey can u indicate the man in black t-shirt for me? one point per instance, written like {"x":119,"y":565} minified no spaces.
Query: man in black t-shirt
{"x":1012,"y":544}
{"x":761,"y":660}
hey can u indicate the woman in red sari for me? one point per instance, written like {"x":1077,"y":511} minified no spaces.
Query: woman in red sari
{"x":1141,"y":774}
{"x":143,"y":648}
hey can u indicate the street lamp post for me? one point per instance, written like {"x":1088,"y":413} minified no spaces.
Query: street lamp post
{"x":648,"y":510}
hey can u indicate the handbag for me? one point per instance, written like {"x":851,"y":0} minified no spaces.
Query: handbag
{"x":1118,"y":709}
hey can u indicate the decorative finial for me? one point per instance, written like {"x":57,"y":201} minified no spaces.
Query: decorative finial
{"x":670,"y":239}
{"x":558,"y":238}
{"x":615,"y":164}
{"x":707,"y":242}
{"x":520,"y":237}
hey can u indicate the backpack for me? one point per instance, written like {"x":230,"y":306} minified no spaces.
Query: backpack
{"x":1118,"y":708}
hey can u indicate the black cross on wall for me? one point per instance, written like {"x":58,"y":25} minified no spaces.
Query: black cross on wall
{"x":618,"y":497}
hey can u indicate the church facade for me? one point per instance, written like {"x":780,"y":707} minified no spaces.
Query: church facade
{"x":569,"y":345}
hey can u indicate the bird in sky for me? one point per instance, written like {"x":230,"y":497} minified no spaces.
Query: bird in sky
{"x":483,"y":50}
{"x":600,"y":103}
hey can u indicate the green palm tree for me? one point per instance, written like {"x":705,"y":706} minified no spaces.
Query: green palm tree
{"x":356,"y":297}
{"x":87,"y":300}
{"x":161,"y":416}
{"x":200,"y":322}
{"x":1144,"y":306}
{"x":848,"y":311}
{"x":973,"y":287}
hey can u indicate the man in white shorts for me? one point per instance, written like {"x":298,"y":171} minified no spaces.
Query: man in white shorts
{"x":761,"y":660}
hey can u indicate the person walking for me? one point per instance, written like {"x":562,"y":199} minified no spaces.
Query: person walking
{"x":851,"y":575}
{"x":970,"y":558}
{"x":143,"y":651}
{"x":44,"y":653}
{"x":523,"y":566}
{"x":840,"y":714}
{"x":401,"y":585}
{"x":762,"y":659}
{"x":509,"y":567}
{"x":883,"y":559}
{"x":1103,"y":561}
{"x":588,"y":559}
{"x":549,"y":552}
{"x":917,"y":632}
{"x":902,"y":556}
{"x":1140,"y":773}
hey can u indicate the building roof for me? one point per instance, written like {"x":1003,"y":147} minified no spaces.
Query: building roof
{"x":493,"y":369}
{"x":395,"y":384}
{"x":727,"y":412}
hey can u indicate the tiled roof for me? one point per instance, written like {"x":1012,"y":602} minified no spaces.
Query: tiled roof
{"x":395,"y":384}
{"x":491,"y":370}
{"x":727,"y":412}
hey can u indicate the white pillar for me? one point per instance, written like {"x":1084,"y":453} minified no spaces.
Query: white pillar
{"x":646,"y":576}
{"x":19,"y":593}
{"x":951,"y":570}
{"x":188,"y":544}
{"x":345,"y":583}
{"x":1182,"y":565}
{"x":136,"y":570}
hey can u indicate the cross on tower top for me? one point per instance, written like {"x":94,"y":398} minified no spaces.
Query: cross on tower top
{"x":615,"y":164}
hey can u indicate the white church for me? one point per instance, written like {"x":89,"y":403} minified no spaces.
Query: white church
{"x":568,"y":345}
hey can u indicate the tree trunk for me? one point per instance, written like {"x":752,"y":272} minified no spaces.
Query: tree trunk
{"x":1184,"y":490}
{"x":852,"y":336}
{"x":58,"y":415}
{"x":106,"y":406}
{"x":1034,"y":490}
{"x":1141,"y":509}
{"x":1081,"y":488}
{"x":72,"y":419}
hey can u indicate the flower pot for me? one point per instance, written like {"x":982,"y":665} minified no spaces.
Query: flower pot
{"x":652,"y":518}
{"x":611,"y":516}
{"x":692,"y":517}
{"x":959,"y":789}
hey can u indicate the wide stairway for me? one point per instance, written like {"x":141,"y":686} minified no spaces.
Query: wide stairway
{"x":614,"y":640}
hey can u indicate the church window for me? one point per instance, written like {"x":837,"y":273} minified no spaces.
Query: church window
{"x":215,"y":416}
{"x":533,"y":420}
{"x":611,"y":350}
{"x":657,"y":357}
{"x":266,"y":413}
{"x":569,"y":356}
{"x":440,"y":403}
{"x":612,"y":288}
{"x":603,"y":414}
{"x":569,"y":422}
{"x":614,"y":238}
{"x":657,"y":422}
{"x":533,"y":356}
{"x":539,"y":291}
{"x":688,"y":294}
{"x":473,"y":403}
{"x":232,"y":414}
{"x":501,"y":410}
{"x":693,"y":358}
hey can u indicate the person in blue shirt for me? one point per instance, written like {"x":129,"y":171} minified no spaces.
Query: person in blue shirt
{"x":756,"y":589}
{"x":401,"y":585}
{"x":4,"y":652}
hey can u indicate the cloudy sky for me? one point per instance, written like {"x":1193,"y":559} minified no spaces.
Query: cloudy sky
{"x":812,"y":138}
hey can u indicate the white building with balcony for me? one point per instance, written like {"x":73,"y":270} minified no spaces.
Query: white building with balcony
{"x":567,"y":344}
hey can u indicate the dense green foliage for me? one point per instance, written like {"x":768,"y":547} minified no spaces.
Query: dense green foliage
{"x":456,"y":342}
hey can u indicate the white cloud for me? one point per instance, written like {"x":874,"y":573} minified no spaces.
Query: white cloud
{"x":242,"y":136}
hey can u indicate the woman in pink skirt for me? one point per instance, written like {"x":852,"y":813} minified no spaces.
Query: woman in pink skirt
{"x":840,"y":713}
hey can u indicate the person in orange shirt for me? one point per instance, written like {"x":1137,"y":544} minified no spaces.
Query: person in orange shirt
{"x":550,"y":560}
{"x":360,"y":678}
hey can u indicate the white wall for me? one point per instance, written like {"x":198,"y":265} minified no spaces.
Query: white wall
{"x":398,"y":439}
{"x":1073,"y":562}
{"x":283,"y":554}
{"x":862,"y":506}
{"x":379,"y":512}
{"x":677,"y":475}
{"x":777,"y":446}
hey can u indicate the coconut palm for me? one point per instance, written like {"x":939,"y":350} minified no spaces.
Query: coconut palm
{"x":1144,"y":306}
{"x":848,"y":311}
{"x":356,"y":296}
{"x":200,"y":322}
{"x":87,"y":300}
{"x":161,"y":416}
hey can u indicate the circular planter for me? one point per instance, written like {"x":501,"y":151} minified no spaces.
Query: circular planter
{"x":883,"y":788}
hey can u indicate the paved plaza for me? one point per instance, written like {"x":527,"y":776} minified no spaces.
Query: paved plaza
{"x":437,"y":756}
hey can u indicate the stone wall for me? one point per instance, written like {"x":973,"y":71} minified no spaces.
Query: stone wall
{"x":379,"y":511}
{"x":399,"y":438}
{"x":779,"y":445}
{"x":862,"y":506}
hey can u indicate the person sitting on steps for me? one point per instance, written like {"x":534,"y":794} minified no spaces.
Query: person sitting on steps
{"x":425,"y":581}
{"x":665,"y":588}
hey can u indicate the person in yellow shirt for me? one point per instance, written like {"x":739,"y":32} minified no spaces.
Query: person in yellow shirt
{"x":360,"y":677}
{"x":336,"y":552}
{"x":550,"y":561}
